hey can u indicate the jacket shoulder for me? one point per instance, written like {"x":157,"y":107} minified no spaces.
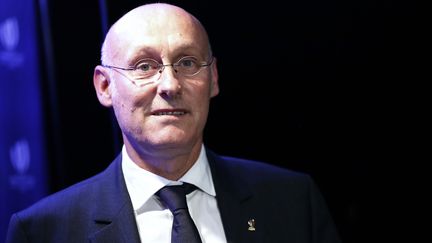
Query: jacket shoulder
{"x":259,"y":176}
{"x":68,"y":200}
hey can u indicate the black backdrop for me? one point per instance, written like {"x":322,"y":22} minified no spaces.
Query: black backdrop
{"x":305,"y":85}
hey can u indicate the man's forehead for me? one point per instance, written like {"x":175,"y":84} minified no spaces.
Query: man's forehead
{"x":142,"y":27}
{"x":153,"y":14}
{"x":144,"y":20}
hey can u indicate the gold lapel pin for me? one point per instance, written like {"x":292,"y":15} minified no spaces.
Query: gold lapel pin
{"x":251,"y":223}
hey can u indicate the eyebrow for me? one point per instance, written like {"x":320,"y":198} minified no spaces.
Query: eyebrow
{"x":181,"y":50}
{"x":187,"y":48}
{"x":143,"y":52}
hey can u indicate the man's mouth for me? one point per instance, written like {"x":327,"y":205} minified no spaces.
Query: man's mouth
{"x":177,"y":112}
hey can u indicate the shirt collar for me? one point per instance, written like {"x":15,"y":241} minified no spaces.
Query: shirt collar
{"x":142,"y":184}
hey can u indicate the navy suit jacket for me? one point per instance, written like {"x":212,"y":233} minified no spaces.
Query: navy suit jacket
{"x":286,"y":207}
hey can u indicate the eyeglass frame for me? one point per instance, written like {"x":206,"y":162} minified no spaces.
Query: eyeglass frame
{"x":161,"y":66}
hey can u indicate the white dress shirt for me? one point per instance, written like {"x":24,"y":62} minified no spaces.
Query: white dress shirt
{"x":154,"y":220}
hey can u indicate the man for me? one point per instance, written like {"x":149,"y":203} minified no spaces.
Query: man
{"x":158,"y":74}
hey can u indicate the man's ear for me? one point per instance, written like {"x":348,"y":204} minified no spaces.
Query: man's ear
{"x":101,"y":82}
{"x":214,"y":88}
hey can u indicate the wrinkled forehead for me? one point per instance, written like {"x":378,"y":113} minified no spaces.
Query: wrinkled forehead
{"x":159,"y":27}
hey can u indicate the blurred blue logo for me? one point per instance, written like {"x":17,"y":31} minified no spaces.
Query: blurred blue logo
{"x":20,"y":158}
{"x":9,"y":40}
{"x":9,"y":34}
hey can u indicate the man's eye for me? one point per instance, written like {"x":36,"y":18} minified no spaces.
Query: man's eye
{"x":188,"y":63}
{"x":147,"y":66}
{"x":144,"y":67}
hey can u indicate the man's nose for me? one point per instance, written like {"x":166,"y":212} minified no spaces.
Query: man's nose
{"x":169,"y":84}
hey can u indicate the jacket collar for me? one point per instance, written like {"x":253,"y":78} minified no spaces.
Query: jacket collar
{"x":234,"y":196}
{"x":115,"y":218}
{"x":113,"y":213}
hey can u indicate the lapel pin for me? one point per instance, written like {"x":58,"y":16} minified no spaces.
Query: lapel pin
{"x":251,"y":223}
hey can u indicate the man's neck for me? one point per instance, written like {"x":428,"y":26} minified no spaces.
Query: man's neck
{"x":171,"y":164}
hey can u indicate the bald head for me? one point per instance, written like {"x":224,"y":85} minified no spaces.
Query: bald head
{"x":154,"y":26}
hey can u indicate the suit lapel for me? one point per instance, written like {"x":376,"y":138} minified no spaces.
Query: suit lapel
{"x":114,"y":218}
{"x":234,"y":198}
{"x":113,"y":214}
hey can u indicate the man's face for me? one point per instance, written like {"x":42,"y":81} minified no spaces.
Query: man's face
{"x":170,"y":111}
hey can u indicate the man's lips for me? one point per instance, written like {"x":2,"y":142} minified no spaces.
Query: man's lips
{"x":169,"y":112}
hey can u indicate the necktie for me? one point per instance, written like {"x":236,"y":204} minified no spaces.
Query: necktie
{"x":183,"y":229}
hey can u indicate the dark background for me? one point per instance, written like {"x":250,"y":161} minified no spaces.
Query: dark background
{"x":307,"y":85}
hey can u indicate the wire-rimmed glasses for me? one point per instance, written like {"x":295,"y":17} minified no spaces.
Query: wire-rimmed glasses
{"x":146,"y":68}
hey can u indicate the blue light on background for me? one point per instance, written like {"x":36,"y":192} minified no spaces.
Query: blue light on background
{"x":23,"y":163}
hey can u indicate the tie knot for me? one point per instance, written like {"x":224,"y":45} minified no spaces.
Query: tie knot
{"x":174,"y":197}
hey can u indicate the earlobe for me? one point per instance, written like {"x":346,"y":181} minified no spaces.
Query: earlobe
{"x":214,"y":89}
{"x":101,"y":82}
